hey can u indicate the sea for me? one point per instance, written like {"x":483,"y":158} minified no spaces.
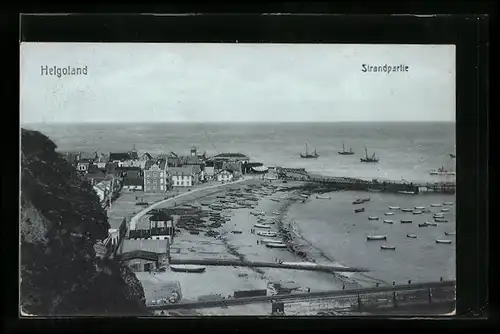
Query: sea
{"x":406,"y":151}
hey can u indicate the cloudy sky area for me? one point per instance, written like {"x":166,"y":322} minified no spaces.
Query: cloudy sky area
{"x":236,"y":82}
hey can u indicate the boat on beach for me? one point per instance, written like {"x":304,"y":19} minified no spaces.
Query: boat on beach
{"x":365,"y":199}
{"x":187,"y":268}
{"x":440,"y":220}
{"x":441,"y":171}
{"x":275,"y":200}
{"x":436,"y":205}
{"x":406,"y":210}
{"x":449,"y":233}
{"x":262,"y":225}
{"x":411,"y":236}
{"x":420,"y":208}
{"x":448,"y":203}
{"x":387,"y":247}
{"x":323,"y":197}
{"x":267,"y":234}
{"x":438,"y":215}
{"x":276,"y":245}
{"x":394,"y":208}
{"x":376,"y":237}
{"x":388,"y":221}
{"x":406,"y":221}
{"x":359,"y":210}
{"x":442,"y":241}
{"x":304,"y":195}
{"x":445,"y":210}
{"x":358,"y":201}
{"x":372,"y":218}
{"x":423,"y":225}
{"x":417,"y":212}
{"x":389,"y":213}
{"x":236,"y":232}
{"x":405,"y":192}
{"x":267,"y":241}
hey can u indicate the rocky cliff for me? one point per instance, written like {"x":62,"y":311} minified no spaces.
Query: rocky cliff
{"x":60,"y":221}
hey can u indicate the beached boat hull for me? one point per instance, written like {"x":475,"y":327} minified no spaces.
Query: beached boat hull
{"x":359,"y":210}
{"x":445,"y":210}
{"x":436,"y":205}
{"x":417,"y":212}
{"x":267,"y":234}
{"x":389,"y":213}
{"x":440,"y":220}
{"x":372,"y":218}
{"x":407,"y":210}
{"x":262,"y":226}
{"x":323,"y":197}
{"x":276,"y":245}
{"x":448,"y":203}
{"x":387,"y":247}
{"x":387,"y":221}
{"x":187,"y":268}
{"x":438,"y":241}
{"x":406,"y":222}
{"x":394,"y":208}
{"x":411,"y":236}
{"x":449,"y":233}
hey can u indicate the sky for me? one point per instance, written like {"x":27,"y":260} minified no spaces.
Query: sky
{"x":194,"y":82}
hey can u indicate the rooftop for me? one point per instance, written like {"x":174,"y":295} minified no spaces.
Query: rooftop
{"x":160,"y":216}
{"x":159,"y":162}
{"x":186,"y":170}
{"x":119,"y":156}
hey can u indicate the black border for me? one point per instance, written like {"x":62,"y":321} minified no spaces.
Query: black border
{"x":468,"y":32}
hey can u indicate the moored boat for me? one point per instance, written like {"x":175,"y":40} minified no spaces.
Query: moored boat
{"x":276,"y":245}
{"x":436,"y":205}
{"x":440,"y":220}
{"x":448,"y":203}
{"x":438,"y":215}
{"x":442,"y":241}
{"x":407,"y":210}
{"x":236,"y":232}
{"x":411,"y":236}
{"x":389,"y":213}
{"x":358,"y":201}
{"x":267,"y":241}
{"x":419,"y":207}
{"x":359,"y":210}
{"x":406,"y":221}
{"x":388,"y":221}
{"x":187,"y":268}
{"x":445,"y":210}
{"x":372,"y":218}
{"x":431,"y":224}
{"x":417,"y":212}
{"x":388,"y":247}
{"x":394,"y":208}
{"x":267,"y":233}
{"x":345,"y":152}
{"x":376,"y":237}
{"x":405,"y":192}
{"x":449,"y":233}
{"x":262,"y":225}
{"x":423,"y":225}
{"x":371,"y":158}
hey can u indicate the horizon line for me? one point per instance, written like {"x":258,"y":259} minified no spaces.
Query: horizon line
{"x":237,"y":122}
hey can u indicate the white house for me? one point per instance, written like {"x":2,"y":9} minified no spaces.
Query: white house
{"x":209,"y":173}
{"x":225,"y":176}
{"x":182,"y":176}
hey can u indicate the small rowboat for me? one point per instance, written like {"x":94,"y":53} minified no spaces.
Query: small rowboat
{"x":389,"y":213}
{"x":261,"y":225}
{"x":358,"y":201}
{"x":359,"y":210}
{"x":187,"y":268}
{"x":376,"y":237}
{"x":323,"y":197}
{"x":387,"y":247}
{"x":407,"y":210}
{"x":372,"y":218}
{"x":423,"y":225}
{"x":441,"y":241}
{"x":366,"y":199}
{"x":431,"y":224}
{"x":445,"y":210}
{"x":417,"y":212}
{"x":449,"y":233}
{"x":388,"y":221}
{"x":406,"y":222}
{"x":448,"y":203}
{"x":411,"y":236}
{"x":394,"y":208}
{"x":436,"y":205}
{"x":420,"y":207}
{"x":276,"y":245}
{"x":440,"y":220}
{"x":267,"y":233}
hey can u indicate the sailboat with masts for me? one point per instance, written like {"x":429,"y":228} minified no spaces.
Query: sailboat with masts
{"x":344,"y":152}
{"x":367,"y":158}
{"x":315,"y":155}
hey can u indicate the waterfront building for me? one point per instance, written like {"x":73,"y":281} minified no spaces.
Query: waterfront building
{"x":156,"y":176}
{"x":145,"y":254}
{"x":225,"y":175}
{"x":231,"y":157}
{"x":185,"y":176}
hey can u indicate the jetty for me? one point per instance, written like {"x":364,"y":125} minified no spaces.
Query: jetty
{"x":347,"y":183}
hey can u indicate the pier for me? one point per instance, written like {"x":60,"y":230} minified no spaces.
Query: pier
{"x":296,"y":266}
{"x":347,"y":183}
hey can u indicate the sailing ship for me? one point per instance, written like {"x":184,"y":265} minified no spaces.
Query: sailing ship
{"x":367,"y":158}
{"x":344,"y":152}
{"x":315,"y":155}
{"x":441,"y":171}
